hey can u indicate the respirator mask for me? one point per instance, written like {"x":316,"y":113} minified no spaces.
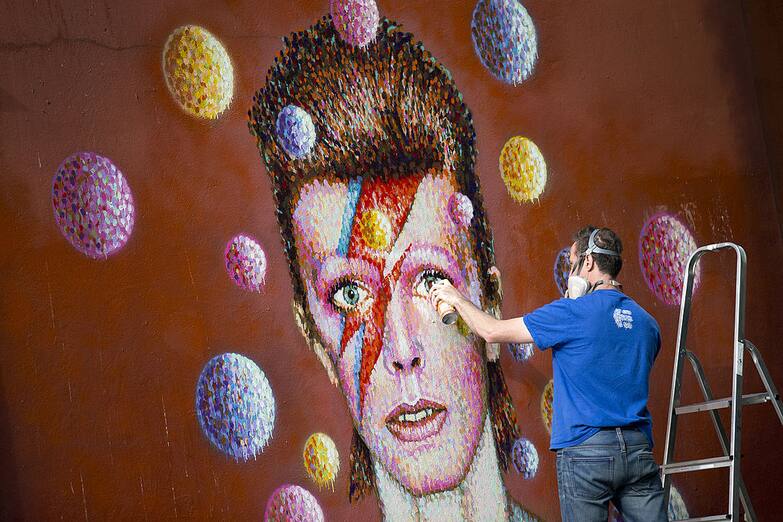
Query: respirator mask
{"x":578,"y":285}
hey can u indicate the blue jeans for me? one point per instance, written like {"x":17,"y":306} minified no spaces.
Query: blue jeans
{"x":615,"y":464}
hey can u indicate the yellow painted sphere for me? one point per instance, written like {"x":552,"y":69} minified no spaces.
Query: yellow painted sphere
{"x":198,"y":71}
{"x":321,"y":460}
{"x":523,"y":169}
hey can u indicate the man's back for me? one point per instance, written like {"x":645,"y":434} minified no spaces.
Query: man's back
{"x":603,"y":348}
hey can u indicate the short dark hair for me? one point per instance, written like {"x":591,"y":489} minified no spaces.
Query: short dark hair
{"x":605,"y":238}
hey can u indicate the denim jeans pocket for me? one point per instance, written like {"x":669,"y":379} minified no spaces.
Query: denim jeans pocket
{"x":647,"y":473}
{"x":590,"y":478}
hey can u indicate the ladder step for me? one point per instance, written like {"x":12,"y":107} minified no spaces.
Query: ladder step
{"x":704,"y":519}
{"x":751,"y":398}
{"x":696,"y":465}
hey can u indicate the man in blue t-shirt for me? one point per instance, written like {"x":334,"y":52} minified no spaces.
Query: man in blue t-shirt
{"x":603,"y":347}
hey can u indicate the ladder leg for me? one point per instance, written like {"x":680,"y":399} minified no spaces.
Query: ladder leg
{"x":671,"y":428}
{"x":736,"y":434}
{"x":735,"y":445}
{"x":723,"y":438}
{"x":765,"y":378}
{"x":679,"y":355}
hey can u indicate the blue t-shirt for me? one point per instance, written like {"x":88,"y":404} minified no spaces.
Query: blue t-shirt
{"x":603,"y":348}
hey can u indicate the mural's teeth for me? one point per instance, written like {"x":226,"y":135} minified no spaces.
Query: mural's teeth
{"x":415,"y":417}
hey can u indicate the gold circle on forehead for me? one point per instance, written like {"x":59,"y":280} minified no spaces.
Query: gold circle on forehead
{"x":198,"y":71}
{"x":523,"y":169}
{"x":376,"y":230}
{"x":321,"y":460}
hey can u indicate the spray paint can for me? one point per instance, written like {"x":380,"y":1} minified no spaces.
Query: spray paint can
{"x":447,"y":313}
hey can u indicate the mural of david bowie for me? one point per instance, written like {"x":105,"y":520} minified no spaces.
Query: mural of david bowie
{"x":384,"y":205}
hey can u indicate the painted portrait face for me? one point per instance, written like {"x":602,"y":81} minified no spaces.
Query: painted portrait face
{"x":368,"y":252}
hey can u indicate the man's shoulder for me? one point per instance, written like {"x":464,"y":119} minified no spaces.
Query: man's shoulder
{"x":641,"y":315}
{"x":640,"y":308}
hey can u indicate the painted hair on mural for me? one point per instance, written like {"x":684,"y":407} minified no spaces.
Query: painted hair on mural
{"x":386,"y":111}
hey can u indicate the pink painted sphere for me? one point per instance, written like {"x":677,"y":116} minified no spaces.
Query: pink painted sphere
{"x":246,"y":263}
{"x":291,"y":503}
{"x":93,"y":204}
{"x":665,"y":243}
{"x":355,"y":20}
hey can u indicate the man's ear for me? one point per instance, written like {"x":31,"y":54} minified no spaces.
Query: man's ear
{"x":589,"y":262}
{"x":493,"y":349}
{"x":304,"y":327}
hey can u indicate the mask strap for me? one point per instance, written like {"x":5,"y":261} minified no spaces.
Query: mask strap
{"x":593,"y":248}
{"x":578,"y":266}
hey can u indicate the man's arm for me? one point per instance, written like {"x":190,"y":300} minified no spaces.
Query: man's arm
{"x":491,"y":329}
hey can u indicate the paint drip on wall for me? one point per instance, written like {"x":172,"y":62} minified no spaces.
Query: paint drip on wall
{"x":235,"y":406}
{"x":198,"y":71}
{"x":665,"y":243}
{"x":505,"y":39}
{"x":93,"y":205}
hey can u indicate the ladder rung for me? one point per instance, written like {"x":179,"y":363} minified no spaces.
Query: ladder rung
{"x":751,"y":398}
{"x":696,"y":465}
{"x":704,"y":519}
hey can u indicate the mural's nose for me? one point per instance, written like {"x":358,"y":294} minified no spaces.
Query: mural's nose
{"x":402,"y":352}
{"x":401,"y":366}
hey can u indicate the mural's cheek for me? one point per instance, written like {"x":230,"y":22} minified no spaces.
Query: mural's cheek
{"x":348,"y":369}
{"x":327,"y":321}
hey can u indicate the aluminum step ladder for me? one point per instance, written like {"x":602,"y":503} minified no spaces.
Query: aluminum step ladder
{"x":730,"y":444}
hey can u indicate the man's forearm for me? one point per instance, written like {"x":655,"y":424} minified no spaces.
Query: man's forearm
{"x":491,"y":329}
{"x":477,"y":320}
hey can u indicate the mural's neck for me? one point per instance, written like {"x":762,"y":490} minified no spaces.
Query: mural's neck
{"x":481,"y":496}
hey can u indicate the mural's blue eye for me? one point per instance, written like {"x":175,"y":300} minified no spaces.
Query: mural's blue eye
{"x":426,"y":279}
{"x":349,"y":295}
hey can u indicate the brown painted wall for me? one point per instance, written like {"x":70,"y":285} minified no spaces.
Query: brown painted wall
{"x":636,"y":106}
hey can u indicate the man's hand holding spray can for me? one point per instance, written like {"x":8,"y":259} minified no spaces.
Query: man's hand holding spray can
{"x":446,"y":312}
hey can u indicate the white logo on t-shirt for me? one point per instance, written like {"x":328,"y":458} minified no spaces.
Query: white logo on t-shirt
{"x":623,"y":318}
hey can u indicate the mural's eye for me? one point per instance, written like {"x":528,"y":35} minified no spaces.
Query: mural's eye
{"x":349,"y":296}
{"x":426,"y":279}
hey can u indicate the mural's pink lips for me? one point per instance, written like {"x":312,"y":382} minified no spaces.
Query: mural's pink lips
{"x":412,"y":423}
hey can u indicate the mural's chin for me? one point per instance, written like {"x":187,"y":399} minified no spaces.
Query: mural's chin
{"x":424,"y":450}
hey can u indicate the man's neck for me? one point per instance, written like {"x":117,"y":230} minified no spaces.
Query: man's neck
{"x":605,"y":282}
{"x":480,"y":496}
